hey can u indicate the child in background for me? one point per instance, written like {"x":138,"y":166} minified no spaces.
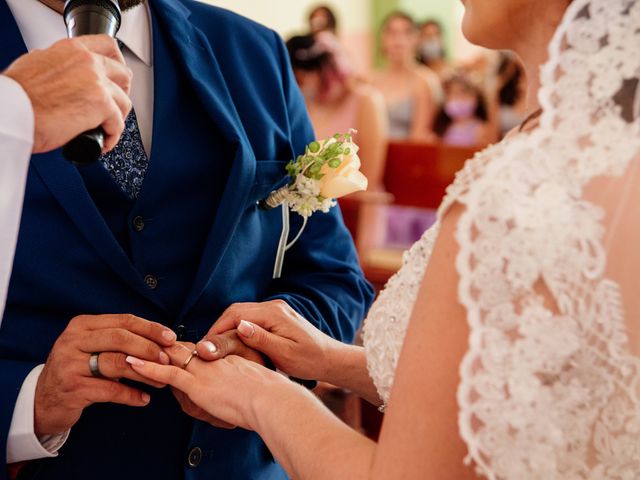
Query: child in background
{"x":463,"y":120}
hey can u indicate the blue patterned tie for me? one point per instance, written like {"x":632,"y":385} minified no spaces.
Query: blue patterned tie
{"x":127,"y":163}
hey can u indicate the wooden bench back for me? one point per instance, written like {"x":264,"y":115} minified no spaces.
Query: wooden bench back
{"x":417,"y":174}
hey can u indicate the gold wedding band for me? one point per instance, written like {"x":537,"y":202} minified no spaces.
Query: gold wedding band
{"x":191,"y":356}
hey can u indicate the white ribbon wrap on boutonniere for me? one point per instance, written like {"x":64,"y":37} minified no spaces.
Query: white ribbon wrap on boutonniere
{"x":328,"y":170}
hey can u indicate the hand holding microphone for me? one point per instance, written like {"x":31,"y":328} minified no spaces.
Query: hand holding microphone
{"x":75,"y":86}
{"x":89,"y":17}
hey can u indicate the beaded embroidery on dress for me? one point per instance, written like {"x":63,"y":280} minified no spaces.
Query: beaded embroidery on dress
{"x":550,"y":386}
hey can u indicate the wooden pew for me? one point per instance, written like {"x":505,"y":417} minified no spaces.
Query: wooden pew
{"x":418,"y":174}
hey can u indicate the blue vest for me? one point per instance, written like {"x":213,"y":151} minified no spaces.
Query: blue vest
{"x":177,"y":181}
{"x":227,"y":118}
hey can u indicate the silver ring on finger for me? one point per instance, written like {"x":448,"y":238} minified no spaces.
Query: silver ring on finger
{"x":94,"y":367}
{"x":192,"y":355}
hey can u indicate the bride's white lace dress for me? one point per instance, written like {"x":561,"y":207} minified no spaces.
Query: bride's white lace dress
{"x":550,"y":386}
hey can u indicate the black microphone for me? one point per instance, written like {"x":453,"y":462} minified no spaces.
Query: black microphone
{"x":89,"y":17}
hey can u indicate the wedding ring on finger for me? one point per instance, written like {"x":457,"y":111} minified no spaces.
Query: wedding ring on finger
{"x":94,"y":368}
{"x":192,"y":355}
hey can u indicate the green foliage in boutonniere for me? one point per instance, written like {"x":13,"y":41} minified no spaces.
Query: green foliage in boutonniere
{"x":329,"y":169}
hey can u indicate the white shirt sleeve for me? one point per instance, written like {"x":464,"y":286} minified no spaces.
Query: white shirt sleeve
{"x":16,"y":142}
{"x":22,"y":443}
{"x":17,"y":126}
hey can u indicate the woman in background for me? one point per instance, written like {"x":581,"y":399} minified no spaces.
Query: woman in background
{"x":431,"y":51}
{"x":463,"y":121}
{"x":337,"y":103}
{"x":322,"y":19}
{"x":408,"y":95}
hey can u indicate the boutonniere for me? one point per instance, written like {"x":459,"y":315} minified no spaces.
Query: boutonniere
{"x":328,"y":170}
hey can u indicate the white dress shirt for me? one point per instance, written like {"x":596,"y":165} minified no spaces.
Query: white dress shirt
{"x":40,"y":28}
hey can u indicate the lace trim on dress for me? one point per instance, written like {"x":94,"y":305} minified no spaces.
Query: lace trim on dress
{"x":549,"y":388}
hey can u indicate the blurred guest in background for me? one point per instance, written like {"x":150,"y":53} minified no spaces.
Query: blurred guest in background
{"x":431,"y":54}
{"x":512,"y":93}
{"x":338,"y":102}
{"x":408,"y":95}
{"x":431,"y":50}
{"x":322,"y":19}
{"x":463,"y":121}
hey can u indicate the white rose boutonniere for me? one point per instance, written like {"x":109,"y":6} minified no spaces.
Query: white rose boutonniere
{"x":328,"y":170}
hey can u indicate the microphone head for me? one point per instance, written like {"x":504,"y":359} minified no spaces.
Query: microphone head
{"x":92,"y":17}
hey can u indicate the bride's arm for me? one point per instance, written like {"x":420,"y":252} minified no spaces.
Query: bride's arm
{"x":308,"y":440}
{"x":346,"y":367}
{"x":419,"y":438}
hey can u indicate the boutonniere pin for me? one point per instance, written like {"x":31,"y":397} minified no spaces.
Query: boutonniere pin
{"x":328,"y":170}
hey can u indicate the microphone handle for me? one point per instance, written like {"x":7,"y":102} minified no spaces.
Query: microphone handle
{"x":86,"y":148}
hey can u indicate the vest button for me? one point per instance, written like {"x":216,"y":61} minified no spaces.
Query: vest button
{"x":194,"y":458}
{"x":151,"y":281}
{"x":181,"y":332}
{"x":138,"y":224}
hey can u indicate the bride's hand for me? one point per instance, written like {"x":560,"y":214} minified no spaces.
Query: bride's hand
{"x":185,"y":403}
{"x":296,"y":347}
{"x":231,"y":341}
{"x":207,"y":384}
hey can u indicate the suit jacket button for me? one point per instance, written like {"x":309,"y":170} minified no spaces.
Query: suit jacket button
{"x":138,"y":224}
{"x":181,"y":332}
{"x":195,"y":457}
{"x":151,"y":281}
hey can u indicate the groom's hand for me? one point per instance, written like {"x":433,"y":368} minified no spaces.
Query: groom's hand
{"x":66,"y":385}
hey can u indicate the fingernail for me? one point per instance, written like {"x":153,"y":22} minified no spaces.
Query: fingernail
{"x":246,"y":329}
{"x":136,"y":362}
{"x":210,"y":347}
{"x":146,"y":398}
{"x":164,"y":358}
{"x":169,"y":336}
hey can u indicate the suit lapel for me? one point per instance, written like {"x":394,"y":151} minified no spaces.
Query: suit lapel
{"x":65,"y":183}
{"x":202,"y":69}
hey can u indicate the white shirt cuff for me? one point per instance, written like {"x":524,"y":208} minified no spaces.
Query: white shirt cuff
{"x":23,"y":444}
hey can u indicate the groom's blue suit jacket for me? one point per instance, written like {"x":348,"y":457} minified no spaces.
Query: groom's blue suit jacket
{"x":227,"y":117}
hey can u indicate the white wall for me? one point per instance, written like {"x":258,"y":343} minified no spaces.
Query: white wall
{"x":290,"y":16}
